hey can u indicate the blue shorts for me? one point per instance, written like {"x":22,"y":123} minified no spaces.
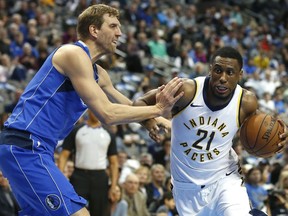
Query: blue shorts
{"x":38,"y":185}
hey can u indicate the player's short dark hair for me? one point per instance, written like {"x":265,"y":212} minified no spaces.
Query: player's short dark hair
{"x":228,"y":52}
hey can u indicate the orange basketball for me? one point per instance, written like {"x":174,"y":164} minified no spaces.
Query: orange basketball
{"x":259,"y":135}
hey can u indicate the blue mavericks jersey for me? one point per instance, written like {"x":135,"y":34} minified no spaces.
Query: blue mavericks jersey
{"x":49,"y":106}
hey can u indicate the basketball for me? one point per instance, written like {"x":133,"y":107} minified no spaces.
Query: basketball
{"x":259,"y":135}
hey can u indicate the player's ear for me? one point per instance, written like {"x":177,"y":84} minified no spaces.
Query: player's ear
{"x":210,"y":70}
{"x":93,"y":30}
{"x":241,"y":74}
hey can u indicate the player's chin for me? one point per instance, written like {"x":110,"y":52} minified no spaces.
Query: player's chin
{"x":221,"y":95}
{"x":113,"y":47}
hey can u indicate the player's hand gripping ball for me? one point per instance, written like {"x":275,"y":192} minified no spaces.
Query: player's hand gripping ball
{"x":259,"y":135}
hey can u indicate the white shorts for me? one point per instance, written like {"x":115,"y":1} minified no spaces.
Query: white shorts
{"x":226,"y":197}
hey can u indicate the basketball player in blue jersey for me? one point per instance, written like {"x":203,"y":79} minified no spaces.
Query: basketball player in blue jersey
{"x":204,"y":167}
{"x":67,"y":84}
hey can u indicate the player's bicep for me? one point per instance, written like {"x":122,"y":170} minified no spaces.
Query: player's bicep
{"x":249,"y":105}
{"x":77,"y":66}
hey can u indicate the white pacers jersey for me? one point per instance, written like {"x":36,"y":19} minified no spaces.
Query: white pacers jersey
{"x":202,"y":136}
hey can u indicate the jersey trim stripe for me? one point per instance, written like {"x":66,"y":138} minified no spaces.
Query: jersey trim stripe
{"x":28,"y":99}
{"x":239,"y":107}
{"x":44,"y":104}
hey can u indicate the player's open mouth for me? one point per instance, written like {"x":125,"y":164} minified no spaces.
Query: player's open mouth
{"x":221,"y":89}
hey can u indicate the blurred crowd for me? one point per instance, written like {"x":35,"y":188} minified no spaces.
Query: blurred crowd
{"x":161,"y":39}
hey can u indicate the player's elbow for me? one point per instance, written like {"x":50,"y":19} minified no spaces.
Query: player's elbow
{"x":108,"y":119}
{"x":111,"y":116}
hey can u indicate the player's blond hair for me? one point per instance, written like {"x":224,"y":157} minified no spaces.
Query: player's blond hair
{"x":93,"y":15}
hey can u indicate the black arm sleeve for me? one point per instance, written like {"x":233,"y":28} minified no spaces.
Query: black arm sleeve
{"x":69,"y":141}
{"x":112,"y":149}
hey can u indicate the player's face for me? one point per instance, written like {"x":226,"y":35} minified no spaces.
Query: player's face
{"x":108,"y":35}
{"x":225,"y":74}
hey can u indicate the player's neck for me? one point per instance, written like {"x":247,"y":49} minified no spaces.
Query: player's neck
{"x":95,"y":52}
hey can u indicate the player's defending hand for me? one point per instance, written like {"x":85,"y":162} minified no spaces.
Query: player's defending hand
{"x":165,"y":96}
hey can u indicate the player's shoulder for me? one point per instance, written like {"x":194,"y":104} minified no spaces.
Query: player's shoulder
{"x":69,"y":54}
{"x":188,"y":86}
{"x":70,"y":49}
{"x":189,"y":89}
{"x":248,"y":97}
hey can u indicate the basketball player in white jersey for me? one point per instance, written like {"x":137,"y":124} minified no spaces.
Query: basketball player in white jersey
{"x":205,"y":175}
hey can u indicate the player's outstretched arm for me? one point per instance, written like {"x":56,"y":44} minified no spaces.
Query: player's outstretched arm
{"x":155,"y":127}
{"x":73,"y":62}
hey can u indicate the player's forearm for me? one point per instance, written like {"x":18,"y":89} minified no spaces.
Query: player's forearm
{"x":114,"y":171}
{"x":120,"y":99}
{"x":122,"y":114}
{"x":145,"y":100}
{"x":114,"y":174}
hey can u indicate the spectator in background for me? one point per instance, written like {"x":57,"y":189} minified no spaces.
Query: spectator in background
{"x":68,"y":168}
{"x":128,"y":167}
{"x":28,"y":59}
{"x":135,"y":199}
{"x":32,"y":36}
{"x":279,"y":102}
{"x":174,"y":47}
{"x":118,"y":206}
{"x":4,"y":41}
{"x":16,"y":46}
{"x":163,"y":156}
{"x":146,"y":159}
{"x":278,"y":197}
{"x":15,"y":70}
{"x":155,"y":189}
{"x":198,"y":54}
{"x":261,"y":60}
{"x":266,"y":104}
{"x":249,"y":67}
{"x":122,"y":157}
{"x":8,"y":108}
{"x":142,"y":42}
{"x":256,"y":192}
{"x":167,"y":204}
{"x":150,"y":79}
{"x":158,"y":46}
{"x":184,"y":61}
{"x":92,"y":146}
{"x":143,"y":173}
